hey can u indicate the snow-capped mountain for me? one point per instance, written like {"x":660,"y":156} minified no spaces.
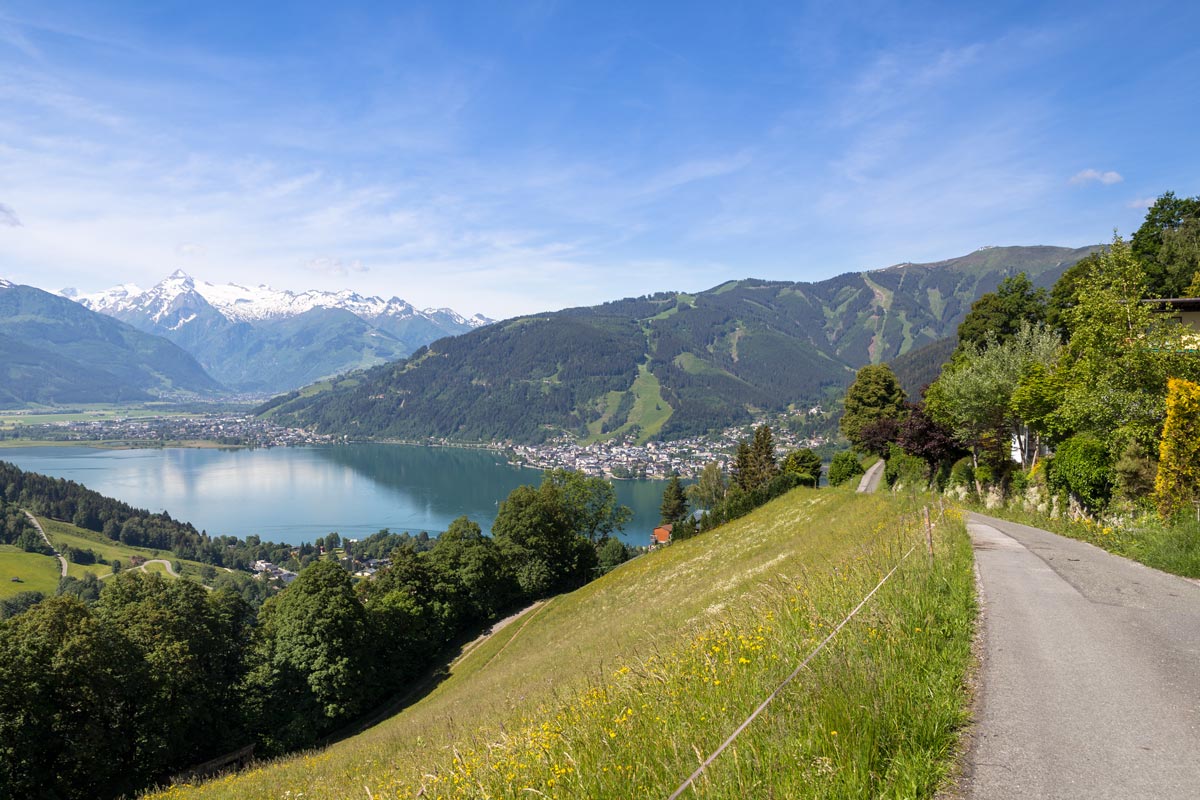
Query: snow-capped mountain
{"x":270,"y":340}
{"x":257,"y":303}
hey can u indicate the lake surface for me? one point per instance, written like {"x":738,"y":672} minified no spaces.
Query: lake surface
{"x":295,"y":494}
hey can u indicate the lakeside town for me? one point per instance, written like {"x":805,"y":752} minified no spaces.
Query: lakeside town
{"x":619,"y":459}
{"x":622,"y":459}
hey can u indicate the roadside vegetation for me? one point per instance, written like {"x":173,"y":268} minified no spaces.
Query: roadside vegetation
{"x":1076,"y":409}
{"x":615,"y":689}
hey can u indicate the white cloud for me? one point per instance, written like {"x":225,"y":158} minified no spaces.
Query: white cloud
{"x":1089,"y":175}
{"x":1140,"y":202}
{"x":191,"y":250}
{"x":8,"y":217}
{"x":334,"y":266}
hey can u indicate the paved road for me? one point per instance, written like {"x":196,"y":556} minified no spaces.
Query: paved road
{"x":871,"y":478}
{"x":170,"y":570}
{"x":62,"y":562}
{"x":1090,"y":676}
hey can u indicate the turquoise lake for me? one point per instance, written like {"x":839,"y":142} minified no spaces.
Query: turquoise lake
{"x":295,"y":494}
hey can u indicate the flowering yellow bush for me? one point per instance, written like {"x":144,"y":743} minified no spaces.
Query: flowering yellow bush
{"x":1178,"y":481}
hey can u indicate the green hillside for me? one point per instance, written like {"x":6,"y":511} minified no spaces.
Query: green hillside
{"x":718,"y":357}
{"x":614,"y":690}
{"x":34,"y":572}
{"x":53,"y":350}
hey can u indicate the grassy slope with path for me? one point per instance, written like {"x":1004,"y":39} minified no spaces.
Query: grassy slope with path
{"x":63,"y":534}
{"x":612,"y":690}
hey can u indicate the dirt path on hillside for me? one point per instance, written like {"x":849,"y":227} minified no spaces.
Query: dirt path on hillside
{"x":62,"y":562}
{"x":170,"y":569}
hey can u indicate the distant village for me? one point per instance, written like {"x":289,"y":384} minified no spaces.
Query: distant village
{"x":684,"y":457}
{"x":231,"y":430}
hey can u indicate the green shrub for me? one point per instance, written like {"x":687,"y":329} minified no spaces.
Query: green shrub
{"x":903,"y":469}
{"x":1135,"y":471}
{"x":845,"y":465}
{"x":1080,"y":466}
{"x":1018,"y":483}
{"x":963,"y":473}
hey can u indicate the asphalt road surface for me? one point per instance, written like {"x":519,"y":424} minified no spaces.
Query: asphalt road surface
{"x":872,"y":477}
{"x":1090,"y":674}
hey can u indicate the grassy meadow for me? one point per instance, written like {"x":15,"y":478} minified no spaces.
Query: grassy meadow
{"x":618,"y":689}
{"x":37,"y":573}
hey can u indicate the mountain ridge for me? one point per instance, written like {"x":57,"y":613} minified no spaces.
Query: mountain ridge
{"x":667,"y":365}
{"x":53,"y":350}
{"x":264,"y":340}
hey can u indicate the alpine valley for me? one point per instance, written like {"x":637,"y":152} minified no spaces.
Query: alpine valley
{"x":668,"y":365}
{"x":263,"y":340}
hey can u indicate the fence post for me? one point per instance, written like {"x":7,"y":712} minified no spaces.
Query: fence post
{"x":928,"y":533}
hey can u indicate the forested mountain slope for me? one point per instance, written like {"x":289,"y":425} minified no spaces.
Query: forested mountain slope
{"x":55,"y":351}
{"x":670,"y":364}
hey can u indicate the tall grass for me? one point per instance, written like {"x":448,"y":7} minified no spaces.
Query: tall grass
{"x":619,"y":690}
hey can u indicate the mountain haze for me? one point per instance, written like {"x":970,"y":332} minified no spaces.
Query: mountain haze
{"x":260,"y":339}
{"x":670,"y":364}
{"x":55,"y":351}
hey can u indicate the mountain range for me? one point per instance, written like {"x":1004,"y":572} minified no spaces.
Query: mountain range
{"x":264,"y":340}
{"x":665,"y":365}
{"x":55,"y":351}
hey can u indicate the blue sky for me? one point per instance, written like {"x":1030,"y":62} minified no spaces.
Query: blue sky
{"x":515,"y":157}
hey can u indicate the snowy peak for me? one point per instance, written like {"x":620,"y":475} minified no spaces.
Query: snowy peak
{"x":179,"y":294}
{"x":5,"y":284}
{"x":108,"y":301}
{"x":450,"y":315}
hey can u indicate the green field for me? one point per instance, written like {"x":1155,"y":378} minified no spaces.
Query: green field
{"x":613,"y":691}
{"x":38,"y":573}
{"x":11,"y":419}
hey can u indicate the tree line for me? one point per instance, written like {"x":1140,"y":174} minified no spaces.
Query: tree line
{"x":756,"y":476}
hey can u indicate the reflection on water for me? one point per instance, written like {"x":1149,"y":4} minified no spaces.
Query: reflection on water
{"x":295,"y":494}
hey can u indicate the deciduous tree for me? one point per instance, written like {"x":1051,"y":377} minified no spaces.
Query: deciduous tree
{"x":709,"y":490}
{"x":875,"y":394}
{"x":1000,"y":314}
{"x":805,"y":464}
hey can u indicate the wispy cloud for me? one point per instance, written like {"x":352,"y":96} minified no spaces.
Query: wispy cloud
{"x":1141,"y":202}
{"x":8,"y":217}
{"x":1096,"y":176}
{"x":334,"y":266}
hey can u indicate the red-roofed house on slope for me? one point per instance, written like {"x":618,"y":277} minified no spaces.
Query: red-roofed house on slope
{"x":661,"y":535}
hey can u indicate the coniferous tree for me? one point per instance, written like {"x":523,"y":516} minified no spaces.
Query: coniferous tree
{"x":762,"y":456}
{"x":674,"y":504}
{"x":743,"y":466}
